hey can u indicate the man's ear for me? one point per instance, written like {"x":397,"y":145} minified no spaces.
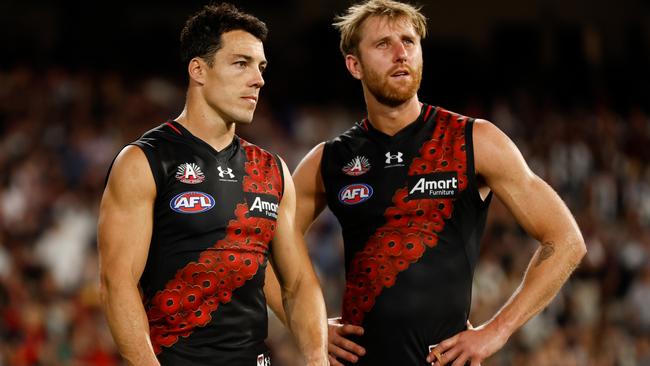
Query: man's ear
{"x":196,"y":69}
{"x":353,"y":64}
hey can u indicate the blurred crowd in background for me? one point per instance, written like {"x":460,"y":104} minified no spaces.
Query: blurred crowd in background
{"x":567,"y":81}
{"x":56,"y":147}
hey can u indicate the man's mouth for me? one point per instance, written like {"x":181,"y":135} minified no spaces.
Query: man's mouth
{"x":400,"y":73}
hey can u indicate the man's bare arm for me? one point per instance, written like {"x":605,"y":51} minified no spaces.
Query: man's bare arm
{"x":310,"y":202}
{"x":273,"y":295}
{"x":541,"y":212}
{"x":310,"y":190}
{"x":302,"y":298}
{"x":124,"y":233}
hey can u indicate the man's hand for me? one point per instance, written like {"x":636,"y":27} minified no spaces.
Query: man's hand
{"x":338,"y":346}
{"x":472,"y":345}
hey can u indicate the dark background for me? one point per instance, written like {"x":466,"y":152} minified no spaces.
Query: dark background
{"x":577,"y":51}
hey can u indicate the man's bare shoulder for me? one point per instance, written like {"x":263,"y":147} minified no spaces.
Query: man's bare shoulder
{"x":495,"y":155}
{"x":312,"y":159}
{"x":130,"y":174}
{"x":485,"y":130}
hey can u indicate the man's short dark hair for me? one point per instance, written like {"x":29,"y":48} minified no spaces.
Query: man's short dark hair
{"x":201,"y":36}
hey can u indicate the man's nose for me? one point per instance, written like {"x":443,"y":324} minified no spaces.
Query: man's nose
{"x":258,"y":79}
{"x":399,"y":52}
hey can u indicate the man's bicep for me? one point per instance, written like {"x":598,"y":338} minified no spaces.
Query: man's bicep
{"x":536,"y":207}
{"x":126,"y":215}
{"x":533,"y":203}
{"x":310,"y":191}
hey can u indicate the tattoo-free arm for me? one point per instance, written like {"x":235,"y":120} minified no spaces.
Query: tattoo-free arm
{"x":123,"y":236}
{"x":310,"y":202}
{"x":302,"y":299}
{"x":273,"y":294}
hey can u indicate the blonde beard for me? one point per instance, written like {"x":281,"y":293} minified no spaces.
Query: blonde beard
{"x":385,"y":93}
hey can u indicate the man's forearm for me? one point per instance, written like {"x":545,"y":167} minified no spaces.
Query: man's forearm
{"x":128,"y":324}
{"x":307,"y":319}
{"x":273,"y":295}
{"x":547,"y":272}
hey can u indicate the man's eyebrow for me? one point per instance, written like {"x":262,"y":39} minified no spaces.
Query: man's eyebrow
{"x":385,"y":38}
{"x":248,"y":58}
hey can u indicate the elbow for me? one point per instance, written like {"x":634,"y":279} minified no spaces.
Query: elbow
{"x":579,"y":250}
{"x":104,"y":289}
{"x":304,"y":285}
{"x":582,"y":249}
{"x":111,"y":286}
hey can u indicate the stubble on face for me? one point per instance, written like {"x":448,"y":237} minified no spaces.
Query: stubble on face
{"x":232,"y":91}
{"x":379,"y":66}
{"x":386,"y":91}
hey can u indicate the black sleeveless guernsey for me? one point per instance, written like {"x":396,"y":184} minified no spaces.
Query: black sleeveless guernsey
{"x":214,"y":218}
{"x":412,"y":218}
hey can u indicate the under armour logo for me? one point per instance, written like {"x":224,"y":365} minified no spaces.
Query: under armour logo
{"x":397,"y":157}
{"x":223,"y":172}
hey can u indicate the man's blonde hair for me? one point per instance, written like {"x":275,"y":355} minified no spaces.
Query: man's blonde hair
{"x":349,"y":24}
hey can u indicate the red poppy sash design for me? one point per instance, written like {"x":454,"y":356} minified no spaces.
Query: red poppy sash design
{"x":190,"y":299}
{"x":412,"y":225}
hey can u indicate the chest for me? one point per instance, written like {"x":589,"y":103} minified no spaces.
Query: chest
{"x":203,"y":193}
{"x":364,"y":179}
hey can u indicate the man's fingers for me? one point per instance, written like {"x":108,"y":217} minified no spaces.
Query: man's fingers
{"x":446,"y":357}
{"x":451,"y":354}
{"x":441,"y":348}
{"x":338,"y":335}
{"x":339,"y":345}
{"x":447,"y":344}
{"x":460,"y":361}
{"x":341,"y":353}
{"x":435,"y":358}
{"x":350,"y":329}
{"x":348,"y":345}
{"x":334,"y":361}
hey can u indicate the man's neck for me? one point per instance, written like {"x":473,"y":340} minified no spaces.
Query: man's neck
{"x":389,"y":119}
{"x":204,"y":123}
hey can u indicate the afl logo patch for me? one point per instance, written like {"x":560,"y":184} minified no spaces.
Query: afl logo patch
{"x":191,"y":202}
{"x":355,"y":193}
